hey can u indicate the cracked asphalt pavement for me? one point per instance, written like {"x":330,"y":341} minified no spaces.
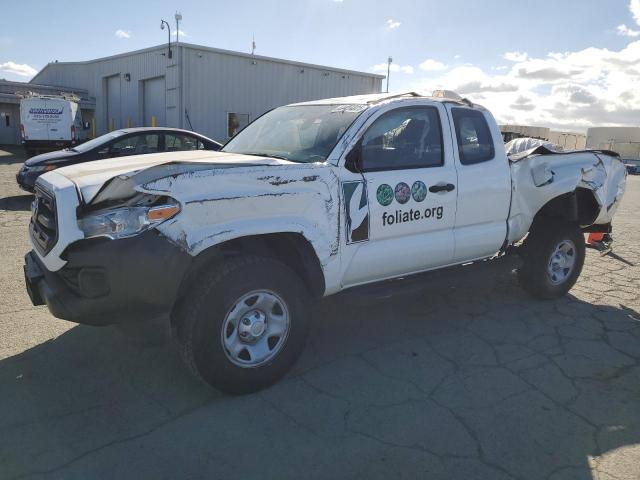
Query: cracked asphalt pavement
{"x":466,"y":380}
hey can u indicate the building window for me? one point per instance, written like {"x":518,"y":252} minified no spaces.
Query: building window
{"x":236,"y":122}
{"x":7,"y":119}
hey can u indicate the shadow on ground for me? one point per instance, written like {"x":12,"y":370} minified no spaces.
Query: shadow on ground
{"x":17,"y":203}
{"x":11,"y":154}
{"x":477,"y":381}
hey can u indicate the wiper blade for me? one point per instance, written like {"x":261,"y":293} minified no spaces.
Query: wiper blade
{"x":268,"y":155}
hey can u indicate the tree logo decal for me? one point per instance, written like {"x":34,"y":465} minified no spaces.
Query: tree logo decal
{"x":356,"y":211}
{"x":384,"y":195}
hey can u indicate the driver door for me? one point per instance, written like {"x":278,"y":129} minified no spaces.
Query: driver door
{"x":400,"y":210}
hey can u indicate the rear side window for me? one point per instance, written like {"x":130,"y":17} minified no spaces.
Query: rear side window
{"x":178,"y":142}
{"x":475,"y":144}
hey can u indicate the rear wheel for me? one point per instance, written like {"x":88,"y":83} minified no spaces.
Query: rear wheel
{"x":244,"y":325}
{"x":553,"y":256}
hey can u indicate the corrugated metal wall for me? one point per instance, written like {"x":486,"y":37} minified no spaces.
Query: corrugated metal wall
{"x":215,"y":83}
{"x":218,"y":83}
{"x":95,"y":76}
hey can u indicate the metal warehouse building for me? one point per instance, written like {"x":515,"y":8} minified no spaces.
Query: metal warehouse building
{"x":212,"y":91}
{"x":624,"y":140}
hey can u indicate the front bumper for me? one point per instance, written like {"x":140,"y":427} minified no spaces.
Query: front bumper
{"x":27,"y":180}
{"x":110,"y":281}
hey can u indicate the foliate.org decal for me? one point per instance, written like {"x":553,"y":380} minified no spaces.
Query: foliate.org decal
{"x":403,"y":193}
{"x":384,"y":195}
{"x":399,"y":216}
{"x":356,"y":211}
{"x":418,"y":191}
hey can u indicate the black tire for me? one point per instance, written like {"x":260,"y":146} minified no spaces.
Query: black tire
{"x":201,"y":314}
{"x":545,"y":236}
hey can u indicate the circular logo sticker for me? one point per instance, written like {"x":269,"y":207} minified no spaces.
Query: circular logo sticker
{"x":418,"y":191}
{"x":384,"y":194}
{"x":403,"y":192}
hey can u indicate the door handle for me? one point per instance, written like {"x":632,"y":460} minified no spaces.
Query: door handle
{"x":442,"y":187}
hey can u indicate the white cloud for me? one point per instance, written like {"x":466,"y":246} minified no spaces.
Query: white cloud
{"x":626,"y":31}
{"x":569,"y":90}
{"x":393,"y":24}
{"x":382,"y":68}
{"x":20,"y":69}
{"x":634,"y":7}
{"x":182,"y":33}
{"x":456,"y":57}
{"x":122,"y":34}
{"x":515,"y":56}
{"x":430,"y":65}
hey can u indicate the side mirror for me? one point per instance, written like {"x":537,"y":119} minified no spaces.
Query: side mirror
{"x":353,"y":160}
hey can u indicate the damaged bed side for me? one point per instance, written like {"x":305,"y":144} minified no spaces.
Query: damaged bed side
{"x":586,"y":186}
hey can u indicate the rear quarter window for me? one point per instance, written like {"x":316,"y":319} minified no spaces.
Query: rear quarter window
{"x":475,"y":144}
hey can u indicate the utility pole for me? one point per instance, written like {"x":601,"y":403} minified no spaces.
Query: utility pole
{"x":178,"y":17}
{"x":181,"y":107}
{"x":389,"y":62}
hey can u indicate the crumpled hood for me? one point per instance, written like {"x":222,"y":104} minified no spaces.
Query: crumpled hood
{"x":89,"y":177}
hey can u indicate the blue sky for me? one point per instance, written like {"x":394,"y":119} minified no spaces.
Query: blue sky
{"x":521,"y":58}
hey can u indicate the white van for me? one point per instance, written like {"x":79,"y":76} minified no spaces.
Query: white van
{"x":50,"y":122}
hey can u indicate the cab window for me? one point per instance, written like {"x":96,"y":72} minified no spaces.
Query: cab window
{"x":475,"y":144}
{"x":409,"y":137}
{"x":177,"y":142}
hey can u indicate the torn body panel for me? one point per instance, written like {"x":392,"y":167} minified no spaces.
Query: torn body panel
{"x":539,"y":178}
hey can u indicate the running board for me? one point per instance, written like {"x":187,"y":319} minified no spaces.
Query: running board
{"x":412,"y":284}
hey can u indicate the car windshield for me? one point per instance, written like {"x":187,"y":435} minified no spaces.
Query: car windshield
{"x":305,"y":133}
{"x":96,"y":142}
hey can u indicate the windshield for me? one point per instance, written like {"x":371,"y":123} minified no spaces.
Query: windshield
{"x":305,"y":133}
{"x":96,"y":142}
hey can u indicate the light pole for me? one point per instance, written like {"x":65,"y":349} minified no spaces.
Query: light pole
{"x":162,"y":24}
{"x":389,"y":62}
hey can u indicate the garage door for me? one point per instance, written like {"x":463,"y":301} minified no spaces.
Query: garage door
{"x":113,"y":103}
{"x":155,"y":102}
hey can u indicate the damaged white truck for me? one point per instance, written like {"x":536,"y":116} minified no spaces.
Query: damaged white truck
{"x":308,"y":200}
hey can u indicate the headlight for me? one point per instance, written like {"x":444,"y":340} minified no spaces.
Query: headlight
{"x":125,"y":222}
{"x":41,"y":168}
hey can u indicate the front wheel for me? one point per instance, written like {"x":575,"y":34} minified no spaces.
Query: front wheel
{"x":244,"y":325}
{"x":553,"y":255}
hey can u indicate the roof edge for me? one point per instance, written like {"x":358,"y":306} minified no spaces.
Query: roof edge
{"x":213,"y":50}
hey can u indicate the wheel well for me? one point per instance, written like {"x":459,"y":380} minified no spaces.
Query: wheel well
{"x":579,"y":206}
{"x":292,"y":249}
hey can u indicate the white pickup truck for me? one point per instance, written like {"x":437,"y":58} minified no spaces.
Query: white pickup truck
{"x":308,"y":200}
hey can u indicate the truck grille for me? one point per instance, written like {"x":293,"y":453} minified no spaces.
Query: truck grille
{"x":44,"y":223}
